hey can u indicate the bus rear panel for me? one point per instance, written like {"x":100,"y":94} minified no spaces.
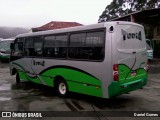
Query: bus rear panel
{"x":129,"y":58}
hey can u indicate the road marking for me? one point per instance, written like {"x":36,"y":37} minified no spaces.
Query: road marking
{"x":70,"y":106}
{"x":77,"y":105}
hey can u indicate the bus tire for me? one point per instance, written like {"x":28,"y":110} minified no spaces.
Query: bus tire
{"x":17,"y":78}
{"x":62,"y":88}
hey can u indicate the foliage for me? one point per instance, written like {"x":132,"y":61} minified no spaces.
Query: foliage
{"x":119,"y":8}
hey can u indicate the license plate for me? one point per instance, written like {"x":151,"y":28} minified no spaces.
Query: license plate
{"x":133,"y":73}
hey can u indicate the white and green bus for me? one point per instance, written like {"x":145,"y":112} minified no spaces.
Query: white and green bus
{"x":5,"y":48}
{"x":150,"y":47}
{"x":102,"y":60}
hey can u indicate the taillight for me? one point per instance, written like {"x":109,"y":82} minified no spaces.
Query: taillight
{"x":115,"y":72}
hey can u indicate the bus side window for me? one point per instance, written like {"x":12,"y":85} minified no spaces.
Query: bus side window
{"x":33,"y":46}
{"x":95,"y":42}
{"x":55,"y":46}
{"x":87,"y":46}
{"x":29,"y":47}
{"x":37,"y":46}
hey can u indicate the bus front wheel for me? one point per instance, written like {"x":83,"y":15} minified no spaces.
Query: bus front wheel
{"x":17,"y":78}
{"x":62,"y":88}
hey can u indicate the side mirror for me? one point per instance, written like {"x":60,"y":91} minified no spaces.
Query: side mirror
{"x":12,"y":46}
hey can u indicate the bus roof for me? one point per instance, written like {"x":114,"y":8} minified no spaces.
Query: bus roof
{"x":63,"y":30}
{"x":77,"y":28}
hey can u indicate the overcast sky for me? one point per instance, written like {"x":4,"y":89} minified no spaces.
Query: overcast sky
{"x":35,"y":13}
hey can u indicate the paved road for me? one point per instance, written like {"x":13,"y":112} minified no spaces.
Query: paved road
{"x":31,"y":97}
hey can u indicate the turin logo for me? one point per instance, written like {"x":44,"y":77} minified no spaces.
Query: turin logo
{"x":127,"y":35}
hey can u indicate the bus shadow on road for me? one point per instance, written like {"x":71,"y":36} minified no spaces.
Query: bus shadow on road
{"x":101,"y":103}
{"x":49,"y":92}
{"x":32,"y":87}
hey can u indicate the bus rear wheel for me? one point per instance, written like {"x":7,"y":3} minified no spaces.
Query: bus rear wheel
{"x":62,"y":88}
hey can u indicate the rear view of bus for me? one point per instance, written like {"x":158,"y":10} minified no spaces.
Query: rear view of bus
{"x":129,"y":58}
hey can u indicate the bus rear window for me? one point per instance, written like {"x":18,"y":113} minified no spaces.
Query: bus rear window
{"x":132,"y":37}
{"x":132,"y":44}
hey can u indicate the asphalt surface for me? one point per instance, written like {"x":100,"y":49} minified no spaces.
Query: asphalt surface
{"x":31,"y":97}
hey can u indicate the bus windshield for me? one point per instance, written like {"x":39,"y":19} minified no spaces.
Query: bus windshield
{"x":5,"y":46}
{"x":149,"y":44}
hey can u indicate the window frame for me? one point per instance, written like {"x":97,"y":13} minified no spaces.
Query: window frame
{"x":68,"y":34}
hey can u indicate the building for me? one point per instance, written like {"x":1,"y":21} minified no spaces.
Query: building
{"x":150,"y":19}
{"x":55,"y":25}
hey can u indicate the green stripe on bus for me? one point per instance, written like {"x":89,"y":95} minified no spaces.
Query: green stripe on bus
{"x":115,"y":88}
{"x":125,"y":74}
{"x":127,"y":82}
{"x":77,"y":81}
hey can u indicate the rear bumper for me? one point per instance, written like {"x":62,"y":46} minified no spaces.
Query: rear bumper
{"x":115,"y":88}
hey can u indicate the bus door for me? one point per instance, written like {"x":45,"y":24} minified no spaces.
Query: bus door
{"x":33,"y":51}
{"x":37,"y":63}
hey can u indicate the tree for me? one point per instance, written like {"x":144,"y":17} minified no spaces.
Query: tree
{"x":119,"y":8}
